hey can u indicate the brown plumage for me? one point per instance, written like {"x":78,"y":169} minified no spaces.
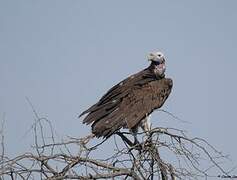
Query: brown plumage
{"x":126,"y":104}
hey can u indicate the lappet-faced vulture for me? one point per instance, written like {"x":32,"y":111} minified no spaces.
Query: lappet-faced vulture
{"x":129,"y":103}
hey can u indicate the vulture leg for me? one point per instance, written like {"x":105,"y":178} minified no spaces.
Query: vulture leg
{"x":135,"y":144}
{"x":146,"y":125}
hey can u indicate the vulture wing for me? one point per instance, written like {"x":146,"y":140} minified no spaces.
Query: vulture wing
{"x":127,"y":103}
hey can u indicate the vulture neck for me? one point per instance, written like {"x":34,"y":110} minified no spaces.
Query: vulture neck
{"x":152,"y":68}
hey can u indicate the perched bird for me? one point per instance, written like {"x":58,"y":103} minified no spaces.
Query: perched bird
{"x":129,"y":103}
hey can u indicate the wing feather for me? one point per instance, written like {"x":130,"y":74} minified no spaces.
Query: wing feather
{"x":127,"y":103}
{"x":100,"y":112}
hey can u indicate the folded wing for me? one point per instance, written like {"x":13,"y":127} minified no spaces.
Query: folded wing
{"x":127,"y":103}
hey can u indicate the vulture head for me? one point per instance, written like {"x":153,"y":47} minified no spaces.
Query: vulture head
{"x":157,"y":63}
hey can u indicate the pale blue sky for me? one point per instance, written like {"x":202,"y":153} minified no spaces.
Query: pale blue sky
{"x":64,"y":55}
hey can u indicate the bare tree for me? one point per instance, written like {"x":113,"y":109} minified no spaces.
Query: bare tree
{"x":164,"y":153}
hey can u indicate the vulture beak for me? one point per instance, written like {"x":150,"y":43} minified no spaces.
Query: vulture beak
{"x":163,"y":60}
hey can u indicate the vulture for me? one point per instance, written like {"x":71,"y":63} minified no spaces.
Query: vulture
{"x":129,"y":103}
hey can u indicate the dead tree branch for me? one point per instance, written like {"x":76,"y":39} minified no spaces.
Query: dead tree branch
{"x":164,"y":153}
